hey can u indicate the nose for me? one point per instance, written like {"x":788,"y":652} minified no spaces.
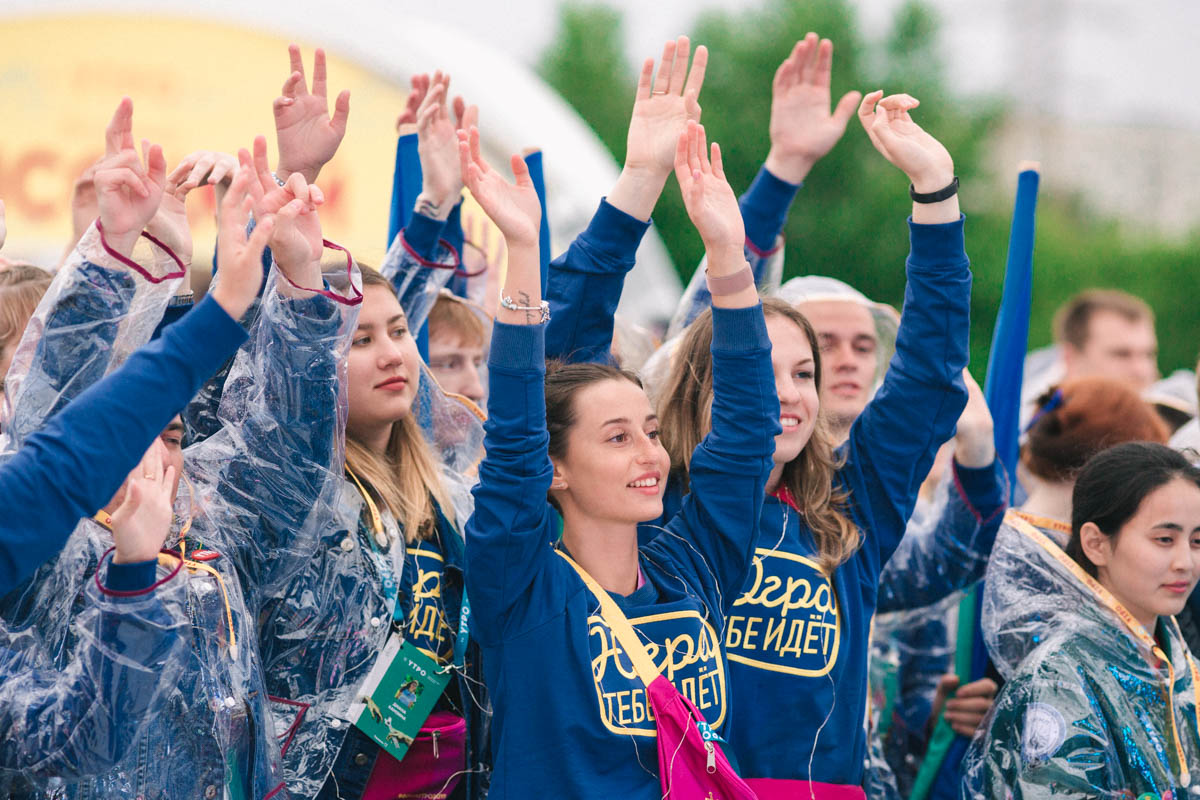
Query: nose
{"x":1184,"y":558}
{"x":786,"y":388}
{"x":474,"y":386}
{"x":648,"y":449}
{"x":390,"y":354}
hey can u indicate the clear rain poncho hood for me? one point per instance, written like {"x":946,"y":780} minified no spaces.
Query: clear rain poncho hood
{"x":1082,"y":714}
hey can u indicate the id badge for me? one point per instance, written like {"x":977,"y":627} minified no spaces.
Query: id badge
{"x":398,"y":696}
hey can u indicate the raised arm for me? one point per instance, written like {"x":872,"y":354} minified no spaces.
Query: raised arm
{"x":508,"y":536}
{"x":276,"y":464}
{"x":948,"y":550}
{"x":893,"y":442}
{"x":421,"y":261}
{"x":717,"y":527}
{"x":585,"y":283}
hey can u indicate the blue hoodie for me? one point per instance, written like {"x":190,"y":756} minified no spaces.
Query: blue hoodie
{"x":570,"y":716}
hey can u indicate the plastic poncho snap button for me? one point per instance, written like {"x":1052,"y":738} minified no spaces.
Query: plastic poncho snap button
{"x":347,"y":544}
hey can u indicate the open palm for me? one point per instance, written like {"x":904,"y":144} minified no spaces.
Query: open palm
{"x":514,"y":207}
{"x":307,"y":136}
{"x":664,"y":106}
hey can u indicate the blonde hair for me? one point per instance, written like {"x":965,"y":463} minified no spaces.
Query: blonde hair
{"x":450,"y":316}
{"x":21,"y":289}
{"x":685,"y":416}
{"x":406,"y":477}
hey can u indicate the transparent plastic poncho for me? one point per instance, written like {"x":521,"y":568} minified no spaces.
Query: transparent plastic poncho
{"x":1088,"y":709}
{"x":321,"y":632}
{"x":70,"y":723}
{"x":248,"y":510}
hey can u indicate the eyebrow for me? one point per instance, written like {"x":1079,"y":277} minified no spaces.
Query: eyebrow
{"x":174,"y":426}
{"x":625,"y":420}
{"x":397,"y":318}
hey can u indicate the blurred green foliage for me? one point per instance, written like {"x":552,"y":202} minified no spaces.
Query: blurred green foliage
{"x":848,"y":219}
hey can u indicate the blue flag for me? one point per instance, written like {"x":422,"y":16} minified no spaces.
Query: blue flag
{"x":1010,"y":339}
{"x":533,"y":160}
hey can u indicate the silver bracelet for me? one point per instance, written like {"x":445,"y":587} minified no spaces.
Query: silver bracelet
{"x":277,"y":180}
{"x":543,"y":307}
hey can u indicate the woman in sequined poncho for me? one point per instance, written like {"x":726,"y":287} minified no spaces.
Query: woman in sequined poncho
{"x":1100,"y":695}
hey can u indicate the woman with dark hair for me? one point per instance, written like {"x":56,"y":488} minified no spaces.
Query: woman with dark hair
{"x":1101,"y":702}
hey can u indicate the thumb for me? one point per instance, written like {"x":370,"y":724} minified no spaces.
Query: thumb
{"x":845,"y":108}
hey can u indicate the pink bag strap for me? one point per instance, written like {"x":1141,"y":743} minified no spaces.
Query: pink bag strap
{"x":618,"y":623}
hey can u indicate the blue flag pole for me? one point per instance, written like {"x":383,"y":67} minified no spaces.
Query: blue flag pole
{"x":1010,"y":339}
{"x":533,"y":160}
{"x":406,"y":185}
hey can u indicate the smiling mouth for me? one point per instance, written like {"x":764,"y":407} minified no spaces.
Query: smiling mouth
{"x":789,"y":421}
{"x":644,"y":483}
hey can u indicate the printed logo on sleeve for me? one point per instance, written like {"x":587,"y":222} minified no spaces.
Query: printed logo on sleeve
{"x":787,"y":620}
{"x":684,"y":647}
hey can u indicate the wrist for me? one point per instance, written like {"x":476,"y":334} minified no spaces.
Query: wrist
{"x":725,"y":259}
{"x":283,"y":172}
{"x":975,"y":451}
{"x":122,"y":243}
{"x":435,"y":204}
{"x":134,"y":555}
{"x":790,"y":168}
{"x":927,"y":183}
{"x":637,"y":190}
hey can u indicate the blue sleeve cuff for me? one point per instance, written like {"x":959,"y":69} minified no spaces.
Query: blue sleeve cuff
{"x":518,"y":347}
{"x":170,"y":316}
{"x":764,"y":208}
{"x":135,"y":576}
{"x":939,"y":245}
{"x":422,"y":234}
{"x":740,"y":330}
{"x":983,"y":487}
{"x":453,"y":230}
{"x":614,"y":234}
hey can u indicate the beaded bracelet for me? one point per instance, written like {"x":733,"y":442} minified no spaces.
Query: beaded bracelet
{"x":543,"y":307}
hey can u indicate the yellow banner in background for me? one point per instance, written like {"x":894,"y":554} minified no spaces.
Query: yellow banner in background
{"x":195,"y":85}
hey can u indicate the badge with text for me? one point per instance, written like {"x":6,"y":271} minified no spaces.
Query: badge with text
{"x":398,"y":696}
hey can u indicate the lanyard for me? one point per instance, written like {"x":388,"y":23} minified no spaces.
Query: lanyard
{"x":391,"y":589}
{"x":1136,"y":628}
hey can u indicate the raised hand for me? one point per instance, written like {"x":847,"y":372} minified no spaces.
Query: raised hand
{"x":419,"y":87}
{"x":664,"y":106}
{"x":513,"y":207}
{"x":974,"y":441}
{"x":296,"y":242}
{"x":903,"y":142}
{"x":437,"y":146}
{"x":128,"y":188}
{"x":203,"y":167}
{"x":141,"y":523}
{"x":307,"y":136}
{"x":710,"y":201}
{"x":802,"y":128}
{"x":240,"y":257}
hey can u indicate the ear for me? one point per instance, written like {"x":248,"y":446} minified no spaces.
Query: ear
{"x":559,"y":481}
{"x":1095,"y":545}
{"x":1070,"y":358}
